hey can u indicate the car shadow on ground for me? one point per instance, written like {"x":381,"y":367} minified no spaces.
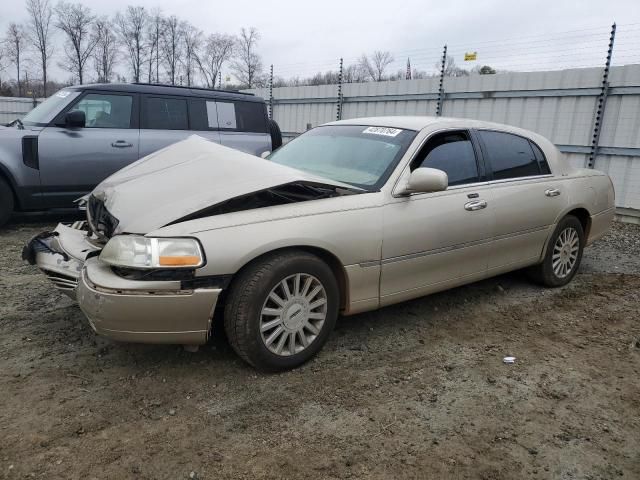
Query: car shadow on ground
{"x":351,"y":332}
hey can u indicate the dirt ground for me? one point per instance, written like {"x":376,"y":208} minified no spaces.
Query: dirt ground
{"x":418,"y":390}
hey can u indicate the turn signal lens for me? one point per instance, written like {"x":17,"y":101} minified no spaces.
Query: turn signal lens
{"x":135,"y":251}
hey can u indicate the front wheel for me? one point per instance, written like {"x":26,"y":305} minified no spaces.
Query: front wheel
{"x":563,"y":255}
{"x":281,"y":310}
{"x":6,"y":202}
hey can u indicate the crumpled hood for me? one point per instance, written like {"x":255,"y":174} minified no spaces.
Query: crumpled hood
{"x":186,"y":177}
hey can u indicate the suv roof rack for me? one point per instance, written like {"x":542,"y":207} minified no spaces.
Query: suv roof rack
{"x":192,"y":88}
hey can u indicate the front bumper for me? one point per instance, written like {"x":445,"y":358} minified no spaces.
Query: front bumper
{"x":116,"y":307}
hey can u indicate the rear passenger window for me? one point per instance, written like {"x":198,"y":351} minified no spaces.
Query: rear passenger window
{"x":542,"y":160}
{"x":165,"y":114}
{"x":242,"y":116}
{"x":202,"y":114}
{"x":510,"y":156}
{"x":453,"y":153}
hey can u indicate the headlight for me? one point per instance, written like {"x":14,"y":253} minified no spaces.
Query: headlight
{"x":135,"y":251}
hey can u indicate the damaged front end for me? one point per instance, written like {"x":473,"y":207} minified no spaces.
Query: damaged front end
{"x":62,"y":260}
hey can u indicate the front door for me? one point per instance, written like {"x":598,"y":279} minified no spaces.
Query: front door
{"x":74,"y":160}
{"x":432,"y":241}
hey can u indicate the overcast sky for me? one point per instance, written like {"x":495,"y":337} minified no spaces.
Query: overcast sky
{"x":302,"y":37}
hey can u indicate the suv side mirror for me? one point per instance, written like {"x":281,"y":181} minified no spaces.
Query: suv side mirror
{"x":426,"y":180}
{"x":75,"y":119}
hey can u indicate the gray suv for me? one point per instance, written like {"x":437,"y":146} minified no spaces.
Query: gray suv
{"x":79,"y":136}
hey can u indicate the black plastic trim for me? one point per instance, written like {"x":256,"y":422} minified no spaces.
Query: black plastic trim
{"x":30,"y":155}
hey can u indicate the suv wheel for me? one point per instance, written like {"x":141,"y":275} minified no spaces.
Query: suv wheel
{"x":281,"y":310}
{"x":6,"y":202}
{"x":276,"y":135}
{"x":563,"y":255}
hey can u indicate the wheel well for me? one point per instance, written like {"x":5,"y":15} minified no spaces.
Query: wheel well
{"x":585,"y":219}
{"x":329,"y":258}
{"x":16,"y":200}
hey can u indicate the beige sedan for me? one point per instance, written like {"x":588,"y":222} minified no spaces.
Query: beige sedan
{"x":349,"y":217}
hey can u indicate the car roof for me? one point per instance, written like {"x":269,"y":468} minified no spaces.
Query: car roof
{"x":168,"y":90}
{"x":421,"y":122}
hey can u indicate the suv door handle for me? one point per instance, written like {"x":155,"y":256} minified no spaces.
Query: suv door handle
{"x":552,"y":192}
{"x":475,"y":205}
{"x":121,"y":144}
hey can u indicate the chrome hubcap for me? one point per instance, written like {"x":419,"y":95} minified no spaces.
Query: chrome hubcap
{"x":565,"y":252}
{"x":293,"y":314}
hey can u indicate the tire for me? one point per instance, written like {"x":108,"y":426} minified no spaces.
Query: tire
{"x":276,"y":135}
{"x":250,"y":306}
{"x":568,"y":230}
{"x":6,"y":202}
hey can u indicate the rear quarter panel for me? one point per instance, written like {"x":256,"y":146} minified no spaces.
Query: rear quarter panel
{"x":593,"y":191}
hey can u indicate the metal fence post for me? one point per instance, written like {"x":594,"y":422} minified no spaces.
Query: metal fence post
{"x":601,"y":103}
{"x":271,"y":93}
{"x":441,"y":88}
{"x":339,"y":104}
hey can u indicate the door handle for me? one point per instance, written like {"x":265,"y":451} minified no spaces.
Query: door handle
{"x":475,"y":205}
{"x":552,"y":192}
{"x":121,"y":144}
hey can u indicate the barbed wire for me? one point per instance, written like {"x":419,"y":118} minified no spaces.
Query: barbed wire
{"x":578,"y":48}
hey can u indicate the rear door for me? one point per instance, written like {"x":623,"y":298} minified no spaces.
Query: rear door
{"x":527,"y":198}
{"x":74,"y":160}
{"x":244,"y":126}
{"x":164,"y":120}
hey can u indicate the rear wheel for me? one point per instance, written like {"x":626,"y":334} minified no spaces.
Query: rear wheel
{"x":563,"y":255}
{"x":6,"y":202}
{"x":276,"y":135}
{"x":281,"y":310}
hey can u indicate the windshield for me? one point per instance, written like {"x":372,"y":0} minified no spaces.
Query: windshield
{"x":47,"y":110}
{"x":357,"y":155}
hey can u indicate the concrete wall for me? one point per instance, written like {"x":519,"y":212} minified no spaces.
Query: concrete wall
{"x":557,"y":104}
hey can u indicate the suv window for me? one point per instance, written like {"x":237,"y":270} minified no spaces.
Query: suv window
{"x":202,"y":114}
{"x":242,"y":116}
{"x":165,"y":113}
{"x":106,"y":111}
{"x":510,"y":156}
{"x":453,"y":153}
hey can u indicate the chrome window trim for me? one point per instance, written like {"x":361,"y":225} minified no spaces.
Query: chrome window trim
{"x":407,"y":164}
{"x":520,"y":179}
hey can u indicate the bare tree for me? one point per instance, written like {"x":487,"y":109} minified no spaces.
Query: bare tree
{"x":153,"y":44}
{"x":191,"y":41}
{"x":40,"y":14}
{"x":376,"y":65}
{"x":451,"y":69}
{"x":75,"y":20}
{"x":106,"y":51}
{"x":171,"y":46}
{"x":354,"y":73}
{"x":131,"y":28}
{"x":15,"y":48}
{"x":247,"y":66}
{"x":218,"y":48}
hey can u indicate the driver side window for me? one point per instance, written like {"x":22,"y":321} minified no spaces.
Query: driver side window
{"x":106,"y":111}
{"x":451,"y":152}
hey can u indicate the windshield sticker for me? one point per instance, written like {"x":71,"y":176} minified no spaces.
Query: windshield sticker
{"x":63,"y":94}
{"x":386,"y":131}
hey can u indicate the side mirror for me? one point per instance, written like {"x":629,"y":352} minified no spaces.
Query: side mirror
{"x":75,"y":119}
{"x":426,"y":180}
